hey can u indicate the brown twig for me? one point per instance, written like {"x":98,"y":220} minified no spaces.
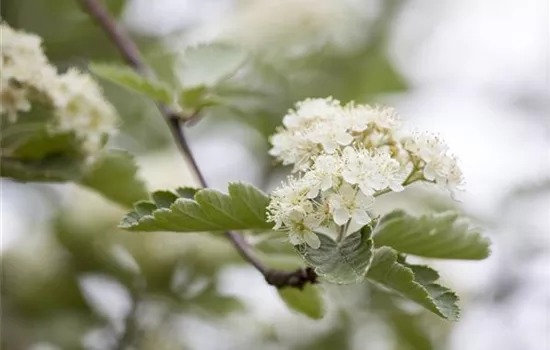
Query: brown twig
{"x":131,"y":55}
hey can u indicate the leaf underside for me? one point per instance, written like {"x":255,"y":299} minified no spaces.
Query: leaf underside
{"x":341,"y":263}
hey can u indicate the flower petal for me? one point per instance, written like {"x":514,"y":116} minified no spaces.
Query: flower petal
{"x":340,"y":216}
{"x":326,"y":183}
{"x":295,"y":238}
{"x":344,"y":138}
{"x":396,"y":187}
{"x":361,"y":217}
{"x":312,"y":240}
{"x":330,"y":146}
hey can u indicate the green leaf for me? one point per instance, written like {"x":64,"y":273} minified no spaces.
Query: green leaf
{"x":54,"y":168}
{"x":191,"y":98}
{"x":416,"y":283}
{"x":43,"y":144}
{"x":207,"y":65}
{"x":307,"y":301}
{"x":209,"y":210}
{"x":380,"y":75}
{"x":446,"y":235}
{"x":113,"y":174}
{"x":157,"y":90}
{"x":342,"y":263}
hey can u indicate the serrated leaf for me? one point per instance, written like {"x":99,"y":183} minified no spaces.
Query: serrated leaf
{"x":446,"y":235}
{"x":156,"y":90}
{"x":208,"y":210}
{"x":307,"y":301}
{"x":113,"y":174}
{"x":208,"y":64}
{"x":249,"y":204}
{"x":419,"y":287}
{"x":186,"y":192}
{"x":344,"y":262}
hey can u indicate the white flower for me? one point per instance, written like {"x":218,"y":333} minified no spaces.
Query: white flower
{"x":360,"y":169}
{"x":455,"y":179}
{"x":439,"y":166}
{"x":429,"y":147}
{"x":349,"y":203}
{"x":358,"y":117}
{"x":390,"y":172}
{"x":385,"y":117}
{"x":322,"y":174}
{"x":331,"y":135}
{"x":77,"y":102}
{"x":82,"y":109}
{"x":291,"y":210}
{"x":314,"y":127}
{"x":301,"y":229}
{"x":13,"y":99}
{"x":445,"y":172}
{"x":289,"y":197}
{"x":312,"y":110}
{"x":25,"y":71}
{"x":293,"y":148}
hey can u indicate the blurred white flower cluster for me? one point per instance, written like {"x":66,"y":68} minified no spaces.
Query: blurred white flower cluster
{"x":75,"y":99}
{"x":344,"y":157}
{"x":294,"y":28}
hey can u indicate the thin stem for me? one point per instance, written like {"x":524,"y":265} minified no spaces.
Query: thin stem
{"x":413,"y":177}
{"x":342,"y":232}
{"x":131,"y":55}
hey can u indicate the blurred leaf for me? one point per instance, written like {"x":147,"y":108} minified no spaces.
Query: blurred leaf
{"x":216,"y":304}
{"x":446,"y":235}
{"x":338,"y":336}
{"x":113,"y":175}
{"x":125,"y":76}
{"x":208,"y":64}
{"x":380,"y":75}
{"x":56,"y":168}
{"x":342,"y":263}
{"x":242,"y":209}
{"x":191,"y":98}
{"x":307,"y":301}
{"x":410,"y":331}
{"x":39,"y":279}
{"x":41,"y":144}
{"x":414,"y":283}
{"x":30,"y":152}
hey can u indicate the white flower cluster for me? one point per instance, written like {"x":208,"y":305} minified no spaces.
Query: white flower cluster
{"x":294,"y":28}
{"x":75,"y":98}
{"x":437,"y":164}
{"x":320,"y":126}
{"x":345,"y":156}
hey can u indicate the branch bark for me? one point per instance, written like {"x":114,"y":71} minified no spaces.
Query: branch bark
{"x":131,"y":55}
